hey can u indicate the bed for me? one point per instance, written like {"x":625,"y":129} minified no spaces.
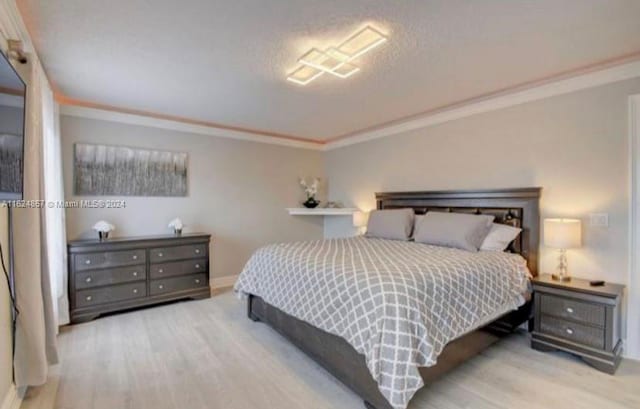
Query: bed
{"x":386,"y":361}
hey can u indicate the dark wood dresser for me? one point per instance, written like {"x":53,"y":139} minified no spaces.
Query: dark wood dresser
{"x":117,"y":274}
{"x":578,"y":318}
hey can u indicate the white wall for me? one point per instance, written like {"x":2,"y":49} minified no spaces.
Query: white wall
{"x":238,"y":190}
{"x":575,"y":146}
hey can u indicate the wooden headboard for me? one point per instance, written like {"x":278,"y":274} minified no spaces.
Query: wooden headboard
{"x":517,"y":207}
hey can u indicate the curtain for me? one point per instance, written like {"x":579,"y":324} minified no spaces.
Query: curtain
{"x":55,"y":232}
{"x":36,"y":328}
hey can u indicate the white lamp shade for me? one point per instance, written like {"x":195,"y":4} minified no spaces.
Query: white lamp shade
{"x":562,"y":233}
{"x":360,"y":219}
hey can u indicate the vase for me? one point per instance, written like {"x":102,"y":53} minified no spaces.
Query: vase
{"x":311,"y":203}
{"x":103,"y":235}
{"x":177,"y":232}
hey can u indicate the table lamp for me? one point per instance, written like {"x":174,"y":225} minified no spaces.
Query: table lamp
{"x":360,"y":219}
{"x":562,"y":234}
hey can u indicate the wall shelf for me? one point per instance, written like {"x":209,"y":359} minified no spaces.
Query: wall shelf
{"x":303,"y":211}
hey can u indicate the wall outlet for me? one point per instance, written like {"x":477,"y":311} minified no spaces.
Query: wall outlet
{"x":599,"y":219}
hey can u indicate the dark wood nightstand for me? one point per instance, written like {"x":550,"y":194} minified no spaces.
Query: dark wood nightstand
{"x":578,"y":318}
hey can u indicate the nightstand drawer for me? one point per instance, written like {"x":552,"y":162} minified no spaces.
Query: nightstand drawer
{"x":582,"y":334}
{"x":593,"y":314}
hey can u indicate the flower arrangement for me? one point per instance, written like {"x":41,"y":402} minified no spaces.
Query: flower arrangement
{"x":311,"y":190}
{"x":103,"y":228}
{"x":177,"y":225}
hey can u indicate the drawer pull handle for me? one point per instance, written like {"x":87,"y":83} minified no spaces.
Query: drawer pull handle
{"x":570,"y":310}
{"x":88,"y":279}
{"x":160,"y":270}
{"x":197,"y":265}
{"x":135,"y":273}
{"x":161,"y":286}
{"x":160,"y":254}
{"x":135,"y":257}
{"x":197,"y":251}
{"x":88,"y":298}
{"x":569,"y":331}
{"x":197,"y":281}
{"x":87,"y":262}
{"x":135,"y":291}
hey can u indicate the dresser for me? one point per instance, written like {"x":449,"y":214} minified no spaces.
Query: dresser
{"x":578,"y":318}
{"x":122,"y":273}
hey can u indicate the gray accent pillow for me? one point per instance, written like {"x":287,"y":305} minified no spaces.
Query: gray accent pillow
{"x":393,"y":224}
{"x":457,"y":230}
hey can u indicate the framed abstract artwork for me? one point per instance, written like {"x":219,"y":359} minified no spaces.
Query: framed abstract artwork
{"x":104,"y":170}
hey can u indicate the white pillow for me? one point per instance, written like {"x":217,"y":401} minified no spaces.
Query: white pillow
{"x":499,"y":237}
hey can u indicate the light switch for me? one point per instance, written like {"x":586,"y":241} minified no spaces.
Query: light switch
{"x":599,"y":219}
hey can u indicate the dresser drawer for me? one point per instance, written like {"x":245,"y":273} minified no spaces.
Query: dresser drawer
{"x":177,"y":268}
{"x":582,"y":334}
{"x":97,"y":278}
{"x":182,"y":283}
{"x":593,"y":314}
{"x":158,"y":255}
{"x":107,"y":259}
{"x":86,"y":298}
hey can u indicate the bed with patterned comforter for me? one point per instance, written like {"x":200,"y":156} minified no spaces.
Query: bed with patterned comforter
{"x":396,"y":302}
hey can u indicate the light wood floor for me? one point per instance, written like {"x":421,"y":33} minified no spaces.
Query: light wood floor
{"x":207,"y":354}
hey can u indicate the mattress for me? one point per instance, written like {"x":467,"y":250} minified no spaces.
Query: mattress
{"x":396,"y":302}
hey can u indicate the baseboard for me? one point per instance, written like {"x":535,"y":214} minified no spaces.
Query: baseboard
{"x":223,"y":282}
{"x":12,"y":399}
{"x":629,"y":355}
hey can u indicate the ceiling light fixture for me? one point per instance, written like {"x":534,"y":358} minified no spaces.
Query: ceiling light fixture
{"x":337,"y":61}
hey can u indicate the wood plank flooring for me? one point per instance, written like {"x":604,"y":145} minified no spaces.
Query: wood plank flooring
{"x":207,"y":354}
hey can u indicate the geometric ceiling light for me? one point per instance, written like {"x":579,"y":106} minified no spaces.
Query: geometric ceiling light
{"x":338,"y":60}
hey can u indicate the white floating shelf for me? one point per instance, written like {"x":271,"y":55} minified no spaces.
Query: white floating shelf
{"x":303,"y":211}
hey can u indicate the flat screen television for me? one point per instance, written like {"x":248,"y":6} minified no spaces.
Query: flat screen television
{"x":12,"y":114}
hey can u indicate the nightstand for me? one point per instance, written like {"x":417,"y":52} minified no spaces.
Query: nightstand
{"x":578,"y":318}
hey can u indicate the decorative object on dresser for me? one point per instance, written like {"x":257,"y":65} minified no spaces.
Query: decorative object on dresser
{"x":103,"y":228}
{"x":122,"y":273}
{"x":579,"y":318}
{"x":562,"y":234}
{"x":177,"y":226}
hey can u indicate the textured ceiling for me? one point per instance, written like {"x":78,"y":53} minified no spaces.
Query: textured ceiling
{"x":226,"y":61}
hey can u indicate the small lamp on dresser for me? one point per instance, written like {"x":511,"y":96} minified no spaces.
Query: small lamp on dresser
{"x":360,"y":221}
{"x":562,"y":234}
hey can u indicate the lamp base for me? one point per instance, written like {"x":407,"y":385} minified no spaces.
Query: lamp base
{"x":558,"y":277}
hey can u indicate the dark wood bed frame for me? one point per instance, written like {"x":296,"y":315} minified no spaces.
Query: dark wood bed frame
{"x":517,"y":207}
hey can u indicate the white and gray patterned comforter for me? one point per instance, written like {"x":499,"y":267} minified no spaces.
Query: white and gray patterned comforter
{"x":398,"y":303}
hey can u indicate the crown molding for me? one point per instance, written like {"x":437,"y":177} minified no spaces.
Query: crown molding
{"x":181,"y":124}
{"x":602,"y":74}
{"x":597,"y":75}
